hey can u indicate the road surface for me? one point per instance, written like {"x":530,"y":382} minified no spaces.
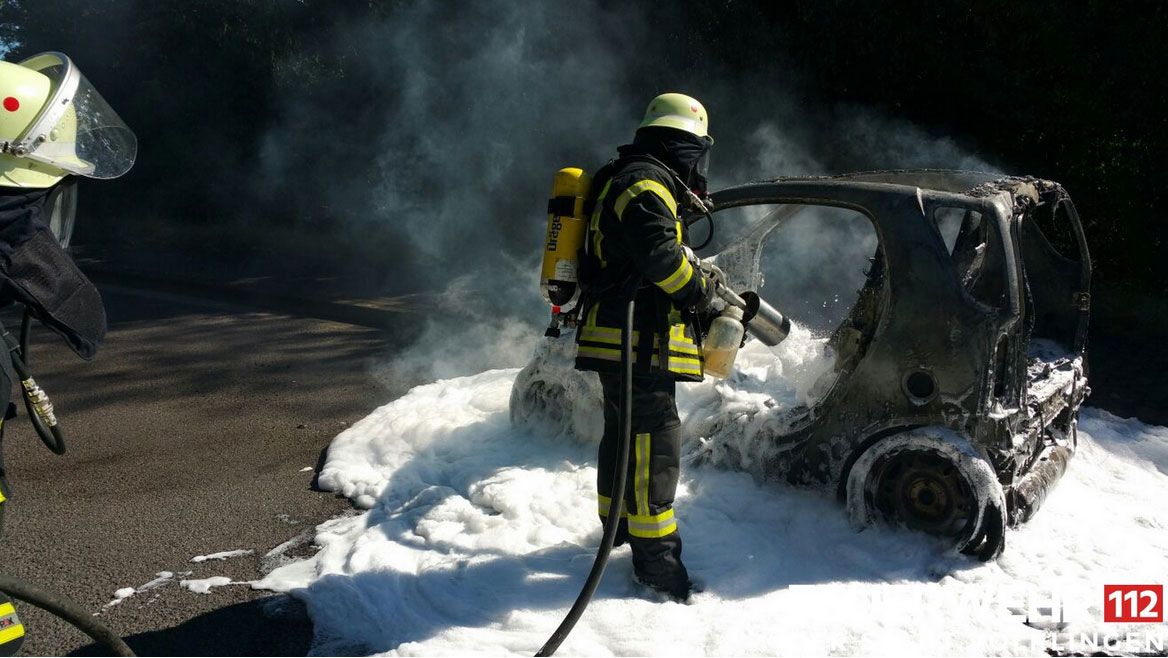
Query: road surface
{"x":197,"y":430}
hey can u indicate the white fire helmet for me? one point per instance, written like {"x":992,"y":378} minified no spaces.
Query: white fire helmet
{"x":54,"y":123}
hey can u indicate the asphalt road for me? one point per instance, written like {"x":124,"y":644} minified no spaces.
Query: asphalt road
{"x":196,"y":430}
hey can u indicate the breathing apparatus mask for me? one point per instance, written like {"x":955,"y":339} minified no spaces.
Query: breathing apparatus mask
{"x":702,"y":168}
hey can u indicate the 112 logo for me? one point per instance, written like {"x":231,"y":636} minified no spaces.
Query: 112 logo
{"x":1133,"y":603}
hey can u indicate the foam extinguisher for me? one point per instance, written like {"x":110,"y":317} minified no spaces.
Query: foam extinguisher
{"x":566,"y":228}
{"x":743,"y":313}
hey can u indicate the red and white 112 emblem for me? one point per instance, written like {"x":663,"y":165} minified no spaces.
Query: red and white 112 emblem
{"x":1133,"y":603}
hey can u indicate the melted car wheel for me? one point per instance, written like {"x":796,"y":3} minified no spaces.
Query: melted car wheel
{"x":930,"y":479}
{"x":924,"y":491}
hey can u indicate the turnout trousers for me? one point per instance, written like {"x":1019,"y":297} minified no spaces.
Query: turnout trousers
{"x":647,"y":520}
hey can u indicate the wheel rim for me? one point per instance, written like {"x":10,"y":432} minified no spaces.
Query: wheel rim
{"x":923,"y":491}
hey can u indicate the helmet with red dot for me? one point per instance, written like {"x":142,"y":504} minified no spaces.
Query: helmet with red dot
{"x":674,"y":110}
{"x":54,"y":123}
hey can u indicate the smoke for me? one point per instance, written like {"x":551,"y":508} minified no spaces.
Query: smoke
{"x":466,"y":332}
{"x":455,"y":121}
{"x":439,"y":142}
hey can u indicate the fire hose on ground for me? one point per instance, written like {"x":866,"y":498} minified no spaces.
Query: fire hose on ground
{"x":619,"y":479}
{"x":762,"y":320}
{"x":65,"y":609}
{"x":44,"y":421}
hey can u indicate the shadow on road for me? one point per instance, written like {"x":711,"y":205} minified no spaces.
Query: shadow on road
{"x":273,"y":626}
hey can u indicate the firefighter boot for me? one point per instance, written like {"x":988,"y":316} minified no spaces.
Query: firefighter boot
{"x":657,"y":564}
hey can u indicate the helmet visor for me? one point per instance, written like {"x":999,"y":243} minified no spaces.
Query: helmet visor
{"x":78,"y":131}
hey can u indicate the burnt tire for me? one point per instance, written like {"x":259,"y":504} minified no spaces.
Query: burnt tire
{"x":930,"y":480}
{"x":550,"y":397}
{"x":990,"y":541}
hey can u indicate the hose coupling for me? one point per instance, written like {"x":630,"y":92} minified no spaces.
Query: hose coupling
{"x":40,"y":402}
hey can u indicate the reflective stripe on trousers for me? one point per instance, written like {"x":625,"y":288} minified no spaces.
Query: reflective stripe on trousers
{"x":654,"y":455}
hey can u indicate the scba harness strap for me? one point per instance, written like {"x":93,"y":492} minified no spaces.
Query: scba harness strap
{"x":596,"y":280}
{"x":669,"y":340}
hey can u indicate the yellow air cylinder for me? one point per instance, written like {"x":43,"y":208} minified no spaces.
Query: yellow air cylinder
{"x":565,"y":236}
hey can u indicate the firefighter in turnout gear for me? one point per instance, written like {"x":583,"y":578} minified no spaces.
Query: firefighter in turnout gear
{"x":635,"y":230}
{"x":54,"y":127}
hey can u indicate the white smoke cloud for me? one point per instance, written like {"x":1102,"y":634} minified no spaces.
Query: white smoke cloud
{"x":473,"y":108}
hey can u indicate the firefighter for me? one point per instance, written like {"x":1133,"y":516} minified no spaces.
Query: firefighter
{"x":54,"y":127}
{"x":635,"y":231}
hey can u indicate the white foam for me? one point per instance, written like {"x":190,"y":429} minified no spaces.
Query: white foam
{"x":477,"y":537}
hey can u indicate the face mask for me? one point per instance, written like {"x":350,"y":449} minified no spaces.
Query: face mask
{"x":701,"y":170}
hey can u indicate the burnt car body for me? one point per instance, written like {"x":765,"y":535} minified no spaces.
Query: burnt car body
{"x":952,"y":399}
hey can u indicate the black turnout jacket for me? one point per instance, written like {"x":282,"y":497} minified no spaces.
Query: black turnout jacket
{"x":635,"y":229}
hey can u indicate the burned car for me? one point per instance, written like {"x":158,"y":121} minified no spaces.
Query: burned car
{"x":956,"y":348}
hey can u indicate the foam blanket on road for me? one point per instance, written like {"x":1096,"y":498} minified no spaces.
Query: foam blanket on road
{"x":473,"y":537}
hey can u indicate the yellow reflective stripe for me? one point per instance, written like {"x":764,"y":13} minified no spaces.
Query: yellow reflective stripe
{"x":612,"y":337}
{"x":2,"y":498}
{"x":11,"y":633}
{"x":599,"y":352}
{"x":678,"y":279}
{"x":16,"y":630}
{"x":588,"y":336}
{"x":641,"y":475}
{"x":603,"y":332}
{"x":597,"y":237}
{"x":603,"y":343}
{"x":651,"y":532}
{"x":679,"y":341}
{"x":605,"y":335}
{"x":652,"y":526}
{"x":655,"y":519}
{"x":609,"y":354}
{"x":678,"y":364}
{"x":633,"y":190}
{"x":677,"y":228}
{"x":604,"y":504}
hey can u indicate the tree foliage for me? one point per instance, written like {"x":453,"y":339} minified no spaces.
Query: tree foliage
{"x":1070,"y":91}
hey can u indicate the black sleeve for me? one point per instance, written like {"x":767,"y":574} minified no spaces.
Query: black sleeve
{"x":647,"y":212}
{"x":36,"y":271}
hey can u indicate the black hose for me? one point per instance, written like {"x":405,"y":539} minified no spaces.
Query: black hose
{"x":50,"y":435}
{"x":65,"y":609}
{"x":25,"y":332}
{"x":694,"y":219}
{"x":620,"y":479}
{"x":710,"y":237}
